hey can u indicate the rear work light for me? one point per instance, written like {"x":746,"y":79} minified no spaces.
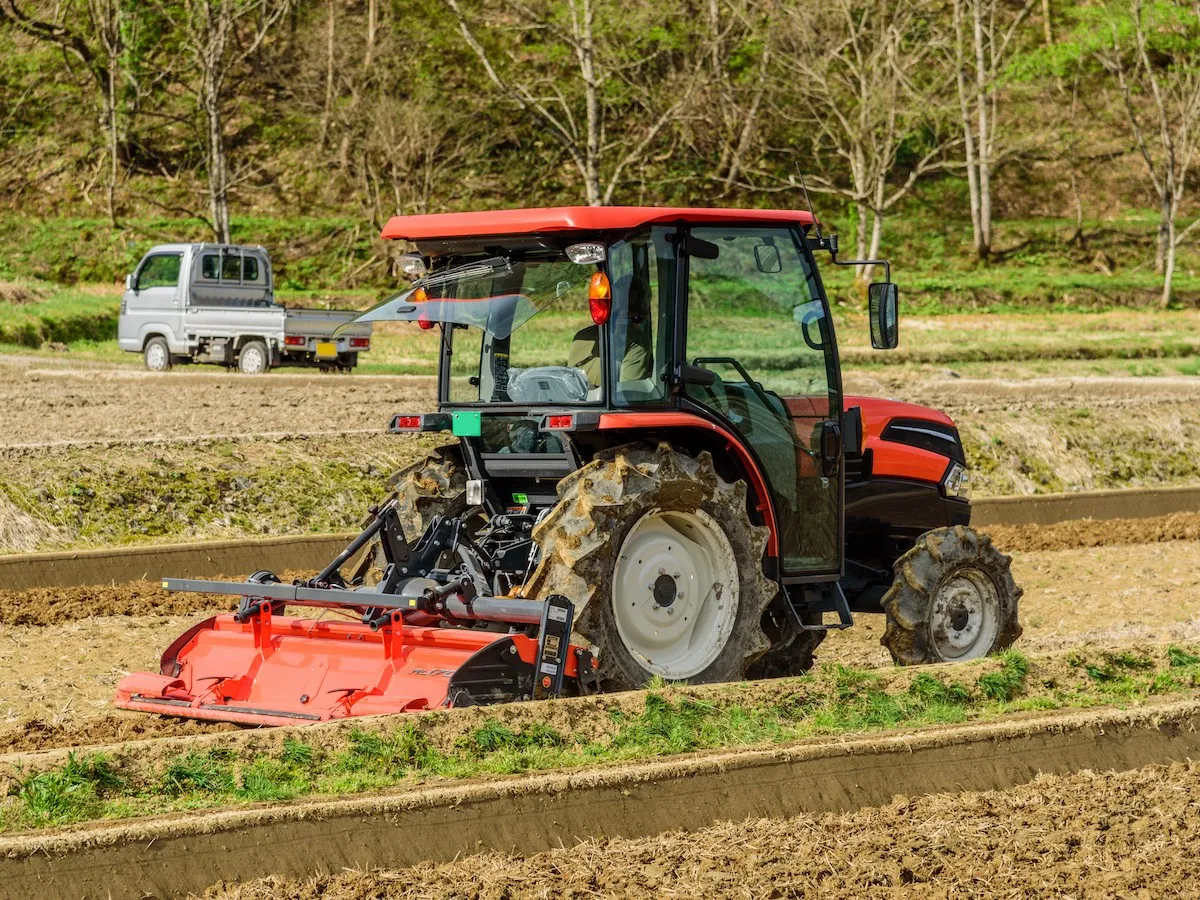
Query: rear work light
{"x":295,"y":340}
{"x":599,"y":298}
{"x":360,"y":343}
{"x":403,"y":423}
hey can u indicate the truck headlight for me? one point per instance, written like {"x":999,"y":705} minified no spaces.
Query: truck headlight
{"x":957,"y":482}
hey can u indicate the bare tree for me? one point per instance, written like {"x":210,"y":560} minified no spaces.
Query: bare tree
{"x":868,"y":80}
{"x":980,"y":58}
{"x":213,"y":37}
{"x":600,"y":146}
{"x":101,"y":62}
{"x":1152,"y":50}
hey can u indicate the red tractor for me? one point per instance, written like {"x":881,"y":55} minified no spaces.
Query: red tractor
{"x":654,"y":455}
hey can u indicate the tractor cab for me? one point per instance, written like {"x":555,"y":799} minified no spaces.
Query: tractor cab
{"x":565,"y":331}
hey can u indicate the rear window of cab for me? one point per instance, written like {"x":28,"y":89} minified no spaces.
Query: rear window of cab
{"x":228,"y":267}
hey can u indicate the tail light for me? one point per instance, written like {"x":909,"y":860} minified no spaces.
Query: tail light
{"x":425,"y":324}
{"x":295,"y":340}
{"x":360,"y":343}
{"x":599,"y":298}
{"x":424,"y":422}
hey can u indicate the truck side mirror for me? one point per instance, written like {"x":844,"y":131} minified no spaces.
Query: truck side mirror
{"x":883,"y":306}
{"x":129,"y":282}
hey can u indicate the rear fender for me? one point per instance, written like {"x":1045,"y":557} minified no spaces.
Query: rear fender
{"x":694,"y":433}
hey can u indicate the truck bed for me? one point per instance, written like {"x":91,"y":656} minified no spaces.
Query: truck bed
{"x":323,"y":322}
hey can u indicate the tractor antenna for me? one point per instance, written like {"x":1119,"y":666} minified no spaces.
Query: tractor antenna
{"x":804,"y":187}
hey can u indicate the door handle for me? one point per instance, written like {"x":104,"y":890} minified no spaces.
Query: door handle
{"x":831,"y":448}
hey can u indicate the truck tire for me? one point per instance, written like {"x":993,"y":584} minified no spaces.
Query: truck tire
{"x":254,"y":358}
{"x":659,"y":556}
{"x":953,"y":599}
{"x":157,"y":355}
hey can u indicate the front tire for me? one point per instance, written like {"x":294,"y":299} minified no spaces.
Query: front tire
{"x":254,"y":359}
{"x":953,"y":599}
{"x":659,"y":556}
{"x":157,"y":355}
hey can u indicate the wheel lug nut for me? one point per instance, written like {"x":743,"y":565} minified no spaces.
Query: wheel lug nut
{"x":662,"y":571}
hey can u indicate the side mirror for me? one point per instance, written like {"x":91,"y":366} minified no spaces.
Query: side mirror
{"x":129,"y":282}
{"x":766,"y":257}
{"x":883,"y":306}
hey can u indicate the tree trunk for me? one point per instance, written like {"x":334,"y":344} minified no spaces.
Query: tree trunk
{"x":586,"y":52}
{"x":983,"y":240}
{"x":1169,"y":273}
{"x":964,"y":106}
{"x":1164,"y":233}
{"x":113,"y":151}
{"x":330,"y":47}
{"x":372,"y":26}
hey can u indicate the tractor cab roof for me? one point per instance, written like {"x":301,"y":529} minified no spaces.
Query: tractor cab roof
{"x":449,"y":226}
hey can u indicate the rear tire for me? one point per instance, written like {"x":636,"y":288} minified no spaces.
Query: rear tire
{"x":254,"y":359}
{"x":432,"y":486}
{"x":664,"y":567}
{"x":953,"y":599}
{"x":157,"y":355}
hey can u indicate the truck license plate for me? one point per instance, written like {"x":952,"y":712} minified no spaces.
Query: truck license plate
{"x":326,"y":349}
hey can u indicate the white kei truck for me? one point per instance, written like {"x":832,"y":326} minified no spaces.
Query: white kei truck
{"x":215,"y":303}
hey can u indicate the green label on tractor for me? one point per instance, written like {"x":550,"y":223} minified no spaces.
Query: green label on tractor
{"x":467,"y":424}
{"x":521,"y":499}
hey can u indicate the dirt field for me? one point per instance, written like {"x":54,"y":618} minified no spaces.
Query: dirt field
{"x":1127,"y":834}
{"x":52,"y":405}
{"x":64,"y":674}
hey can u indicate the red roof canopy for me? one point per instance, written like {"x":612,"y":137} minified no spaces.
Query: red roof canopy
{"x":572,"y":218}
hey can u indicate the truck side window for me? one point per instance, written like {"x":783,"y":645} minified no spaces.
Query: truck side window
{"x":160,"y":270}
{"x":209,"y":267}
{"x":249,"y":268}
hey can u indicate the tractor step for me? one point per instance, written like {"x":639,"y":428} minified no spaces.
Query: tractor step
{"x":826,"y":599}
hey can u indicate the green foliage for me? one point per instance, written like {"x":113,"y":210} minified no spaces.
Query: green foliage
{"x":72,"y":793}
{"x":1005,"y":685}
{"x":833,"y":700}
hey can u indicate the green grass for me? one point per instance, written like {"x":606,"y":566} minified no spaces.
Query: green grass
{"x":834,"y":700}
{"x":70,"y":315}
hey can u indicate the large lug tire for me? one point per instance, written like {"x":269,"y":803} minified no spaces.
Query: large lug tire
{"x":254,"y":359}
{"x":659,"y":557}
{"x":796,"y":658}
{"x":433,"y":486}
{"x":157,"y":355}
{"x":953,"y":599}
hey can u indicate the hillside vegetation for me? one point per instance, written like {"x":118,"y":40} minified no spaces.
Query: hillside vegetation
{"x":1000,"y":153}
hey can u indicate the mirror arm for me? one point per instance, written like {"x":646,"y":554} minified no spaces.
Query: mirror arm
{"x":887,"y":266}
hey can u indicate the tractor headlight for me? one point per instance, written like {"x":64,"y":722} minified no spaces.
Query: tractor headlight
{"x":957,"y":482}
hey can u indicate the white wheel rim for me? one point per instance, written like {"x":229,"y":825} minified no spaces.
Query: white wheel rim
{"x":156,"y":357}
{"x":252,"y":361}
{"x":964,"y":618}
{"x":675,"y":592}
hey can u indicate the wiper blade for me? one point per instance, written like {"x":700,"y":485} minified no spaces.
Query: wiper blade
{"x":476,"y":269}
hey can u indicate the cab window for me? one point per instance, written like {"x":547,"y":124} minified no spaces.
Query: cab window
{"x":160,"y":270}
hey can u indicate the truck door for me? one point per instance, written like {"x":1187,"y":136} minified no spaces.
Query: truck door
{"x":756,"y":318}
{"x":153,"y":306}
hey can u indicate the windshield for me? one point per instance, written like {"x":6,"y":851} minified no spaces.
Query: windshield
{"x":517,"y":330}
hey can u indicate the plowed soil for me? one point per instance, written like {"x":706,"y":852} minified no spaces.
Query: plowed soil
{"x":50,"y":406}
{"x":46,"y":404}
{"x":63,"y":675}
{"x":1127,"y":834}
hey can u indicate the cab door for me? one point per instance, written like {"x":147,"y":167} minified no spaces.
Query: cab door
{"x":756,"y":320}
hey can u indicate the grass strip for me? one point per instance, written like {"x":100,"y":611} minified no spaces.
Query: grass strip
{"x":670,"y":720}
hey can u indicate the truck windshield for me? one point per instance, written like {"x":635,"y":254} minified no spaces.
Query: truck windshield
{"x":517,"y":330}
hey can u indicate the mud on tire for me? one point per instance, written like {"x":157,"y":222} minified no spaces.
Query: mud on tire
{"x":953,"y":599}
{"x":433,"y":486}
{"x":582,"y":537}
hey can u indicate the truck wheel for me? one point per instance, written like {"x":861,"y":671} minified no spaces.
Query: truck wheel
{"x":157,"y":355}
{"x":254,"y":358}
{"x":953,"y":599}
{"x":659,"y":556}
